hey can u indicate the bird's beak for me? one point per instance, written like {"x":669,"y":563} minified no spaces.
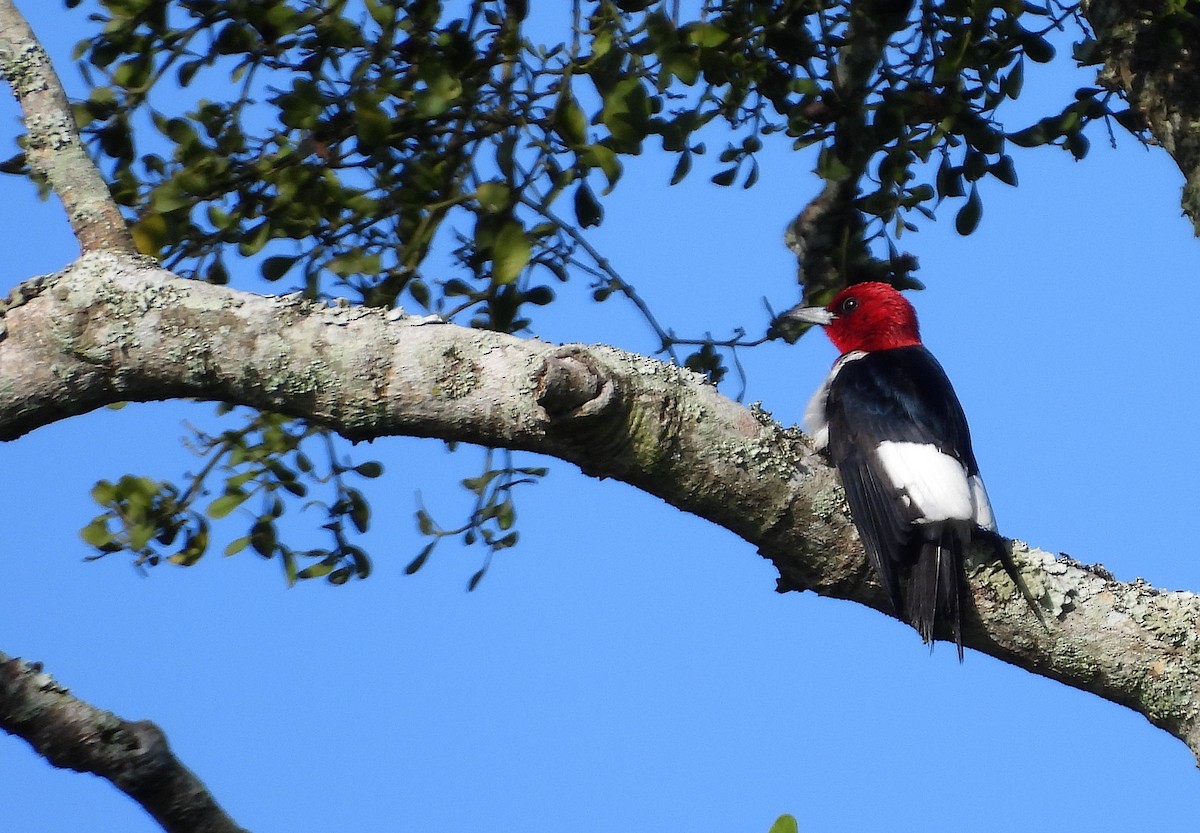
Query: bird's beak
{"x":809,"y":315}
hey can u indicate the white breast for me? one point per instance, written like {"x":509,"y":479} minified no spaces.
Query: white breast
{"x":815,"y":421}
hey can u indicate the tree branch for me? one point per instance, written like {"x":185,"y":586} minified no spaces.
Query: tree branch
{"x":53,"y":147}
{"x":111,"y":329}
{"x":1154,"y":58}
{"x":827,"y":235}
{"x":134,"y":756}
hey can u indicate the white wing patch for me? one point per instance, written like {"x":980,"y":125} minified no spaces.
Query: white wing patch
{"x":815,"y":421}
{"x":932,"y":484}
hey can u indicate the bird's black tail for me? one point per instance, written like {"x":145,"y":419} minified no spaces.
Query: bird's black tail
{"x":936,"y":586}
{"x":1000,"y":549}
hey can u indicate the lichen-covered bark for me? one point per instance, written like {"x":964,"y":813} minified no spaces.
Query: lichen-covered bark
{"x":114,"y":328}
{"x":72,"y":734}
{"x":52,"y":143}
{"x":1153,"y":57}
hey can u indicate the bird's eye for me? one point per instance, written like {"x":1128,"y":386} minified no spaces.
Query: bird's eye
{"x":848,"y":306}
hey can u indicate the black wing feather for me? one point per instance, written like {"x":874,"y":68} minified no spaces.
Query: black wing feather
{"x":900,"y":395}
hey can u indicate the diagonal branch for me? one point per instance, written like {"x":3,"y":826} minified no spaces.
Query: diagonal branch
{"x":53,"y":147}
{"x":111,"y":329}
{"x":134,"y":756}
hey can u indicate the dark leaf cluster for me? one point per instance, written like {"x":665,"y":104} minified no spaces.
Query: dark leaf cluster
{"x":449,"y":155}
{"x":253,"y":474}
{"x":492,"y":516}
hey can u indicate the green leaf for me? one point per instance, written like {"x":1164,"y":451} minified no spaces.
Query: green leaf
{"x":254,"y":239}
{"x":169,"y":197}
{"x":1004,"y":170}
{"x":134,"y":73}
{"x":372,"y":124}
{"x":425,"y":523}
{"x":725,"y":177}
{"x":446,"y":85}
{"x":263,"y":537}
{"x":443,"y":89}
{"x":1078,"y":144}
{"x":194,"y":547}
{"x":706,"y":35}
{"x":225,"y":504}
{"x":587,"y":210}
{"x":362,"y":564}
{"x":540,"y":295}
{"x":1131,"y":120}
{"x":1010,"y":85}
{"x":510,"y":253}
{"x":505,"y":514}
{"x":321,"y":568}
{"x":381,"y":12}
{"x":569,"y":119}
{"x":289,"y":565}
{"x":683,"y":64}
{"x":149,"y":234}
{"x":274,"y":268}
{"x":493,"y":197}
{"x":626,"y":113}
{"x":830,"y":167}
{"x":604,"y":158}
{"x":360,"y":510}
{"x":476,"y":485}
{"x":140,"y":535}
{"x":1087,"y":52}
{"x":968,"y":216}
{"x":354,"y":262}
{"x":949,"y":180}
{"x":104,"y":492}
{"x":1038,"y":49}
{"x":96,"y":533}
{"x":237,"y":545}
{"x":418,"y":562}
{"x":239,"y":480}
{"x":785,"y":824}
{"x":752,"y":177}
{"x":505,"y":542}
{"x":371,"y":469}
{"x":682,"y":167}
{"x":1037,"y":134}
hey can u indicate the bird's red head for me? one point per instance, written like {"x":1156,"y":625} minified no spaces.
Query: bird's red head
{"x":871,"y":316}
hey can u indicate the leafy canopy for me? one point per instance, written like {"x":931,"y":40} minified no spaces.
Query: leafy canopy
{"x":451,"y":156}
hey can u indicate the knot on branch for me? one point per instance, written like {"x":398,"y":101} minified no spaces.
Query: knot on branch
{"x":571,"y":385}
{"x":140,"y":756}
{"x":589,"y":411}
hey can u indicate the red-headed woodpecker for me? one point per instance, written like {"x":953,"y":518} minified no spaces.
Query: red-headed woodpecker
{"x":897,"y":434}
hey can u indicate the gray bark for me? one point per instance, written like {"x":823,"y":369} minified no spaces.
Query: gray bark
{"x":133,"y":755}
{"x":52,"y":143}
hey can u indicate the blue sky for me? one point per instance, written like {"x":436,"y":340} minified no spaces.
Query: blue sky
{"x":629,"y":667}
